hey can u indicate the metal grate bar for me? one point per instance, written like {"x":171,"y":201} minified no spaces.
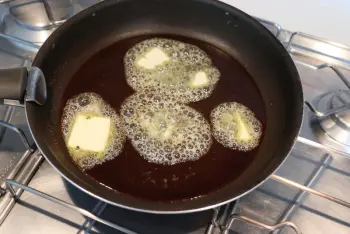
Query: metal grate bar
{"x":320,"y":146}
{"x":218,"y":220}
{"x":30,"y":171}
{"x":309,"y":190}
{"x":325,"y":65}
{"x":15,"y":39}
{"x":320,"y":49}
{"x":302,"y":194}
{"x":214,"y":221}
{"x":273,"y":27}
{"x":19,"y":132}
{"x":11,"y":183}
{"x":276,"y":227}
{"x":91,"y":222}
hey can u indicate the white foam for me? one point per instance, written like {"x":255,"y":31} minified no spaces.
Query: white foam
{"x":164,"y":131}
{"x":92,"y":104}
{"x":173,"y":76}
{"x":235,"y":126}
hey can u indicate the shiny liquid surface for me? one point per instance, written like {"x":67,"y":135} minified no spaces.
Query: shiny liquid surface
{"x":130,"y":173}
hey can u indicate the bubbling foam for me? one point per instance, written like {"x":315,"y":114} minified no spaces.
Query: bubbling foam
{"x":235,"y":126}
{"x":163,"y":131}
{"x":174,"y":69}
{"x":91,"y":104}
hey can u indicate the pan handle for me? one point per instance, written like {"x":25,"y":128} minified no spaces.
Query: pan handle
{"x":20,"y":85}
{"x":13,"y":82}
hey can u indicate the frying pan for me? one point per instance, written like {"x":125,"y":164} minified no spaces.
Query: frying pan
{"x":93,"y":29}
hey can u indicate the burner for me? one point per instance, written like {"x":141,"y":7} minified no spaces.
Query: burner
{"x":34,"y":21}
{"x":336,"y":120}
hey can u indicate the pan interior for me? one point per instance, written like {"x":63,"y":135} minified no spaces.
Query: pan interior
{"x":129,"y":172}
{"x":260,"y":57}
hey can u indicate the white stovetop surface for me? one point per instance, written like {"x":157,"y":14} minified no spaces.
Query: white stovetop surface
{"x":329,"y":19}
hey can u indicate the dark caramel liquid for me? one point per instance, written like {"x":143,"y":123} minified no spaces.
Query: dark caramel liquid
{"x":129,"y":172}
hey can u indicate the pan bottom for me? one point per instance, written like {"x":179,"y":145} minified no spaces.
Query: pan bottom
{"x":130,"y":173}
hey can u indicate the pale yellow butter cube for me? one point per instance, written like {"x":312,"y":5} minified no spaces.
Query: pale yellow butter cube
{"x":199,"y":80}
{"x":90,"y":133}
{"x":244,"y":131}
{"x":168,"y":132}
{"x":153,"y":58}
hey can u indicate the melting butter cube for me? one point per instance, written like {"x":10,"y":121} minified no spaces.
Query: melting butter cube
{"x":153,"y":58}
{"x":154,"y":128}
{"x":90,"y":133}
{"x":243,"y":129}
{"x":199,"y":80}
{"x":168,"y":132}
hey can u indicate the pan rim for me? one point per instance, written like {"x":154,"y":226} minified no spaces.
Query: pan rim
{"x":170,"y":208}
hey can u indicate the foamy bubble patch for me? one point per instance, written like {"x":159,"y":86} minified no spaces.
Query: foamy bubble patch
{"x":164,"y":131}
{"x":92,"y":105}
{"x":235,"y":126}
{"x":171,"y":66}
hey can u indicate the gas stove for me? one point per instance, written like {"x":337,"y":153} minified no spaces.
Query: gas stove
{"x":308,"y":194}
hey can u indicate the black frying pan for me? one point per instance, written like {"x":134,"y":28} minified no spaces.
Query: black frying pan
{"x":220,"y":25}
